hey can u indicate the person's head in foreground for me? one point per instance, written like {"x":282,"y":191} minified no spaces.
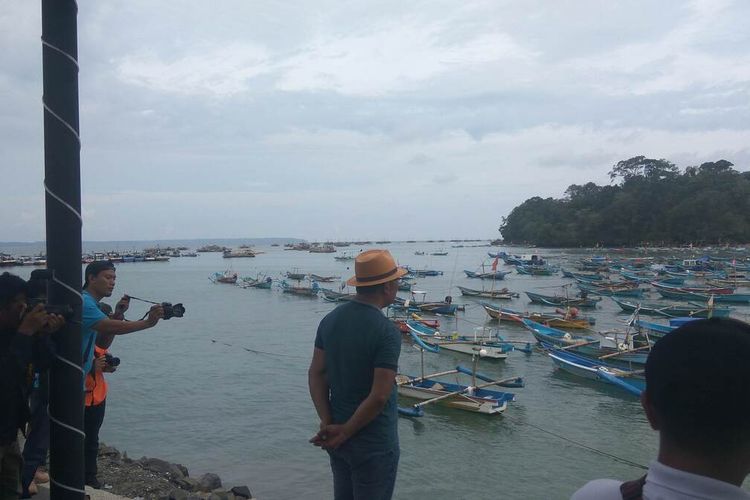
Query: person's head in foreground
{"x":698,"y":397}
{"x":376,"y":276}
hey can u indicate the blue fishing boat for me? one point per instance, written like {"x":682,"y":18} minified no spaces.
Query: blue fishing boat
{"x":484,"y":347}
{"x":558,"y":300}
{"x":492,"y":275}
{"x":611,"y":290}
{"x":672,"y":310}
{"x":632,"y":381}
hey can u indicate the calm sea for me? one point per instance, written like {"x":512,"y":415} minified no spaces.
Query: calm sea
{"x":224,"y":389}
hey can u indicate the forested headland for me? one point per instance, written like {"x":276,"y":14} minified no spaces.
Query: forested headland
{"x":650,"y":202}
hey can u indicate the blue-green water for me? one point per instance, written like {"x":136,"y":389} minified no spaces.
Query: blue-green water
{"x":188,"y":392}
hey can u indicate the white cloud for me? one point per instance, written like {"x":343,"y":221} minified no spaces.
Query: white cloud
{"x":207,"y":70}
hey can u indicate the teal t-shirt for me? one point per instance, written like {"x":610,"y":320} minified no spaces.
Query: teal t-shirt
{"x":357,"y":338}
{"x":91,"y":315}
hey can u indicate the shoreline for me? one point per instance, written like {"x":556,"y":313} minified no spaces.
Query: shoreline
{"x":156,"y":479}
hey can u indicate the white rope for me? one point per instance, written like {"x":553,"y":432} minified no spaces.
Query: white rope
{"x":64,"y":425}
{"x":63,"y":486}
{"x":69,"y":362}
{"x":77,"y":214}
{"x":67,"y":125}
{"x":72,"y":59}
{"x":65,"y":285}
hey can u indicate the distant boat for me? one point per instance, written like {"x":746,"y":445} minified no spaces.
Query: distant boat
{"x":239,"y":253}
{"x":501,"y":294}
{"x":227,"y":277}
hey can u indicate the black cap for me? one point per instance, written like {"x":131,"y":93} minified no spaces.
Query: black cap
{"x":95,"y":268}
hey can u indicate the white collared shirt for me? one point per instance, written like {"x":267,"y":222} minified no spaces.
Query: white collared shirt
{"x":665,"y":483}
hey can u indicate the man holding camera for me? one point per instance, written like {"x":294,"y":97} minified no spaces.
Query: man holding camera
{"x":19,"y":329}
{"x":99,"y":332}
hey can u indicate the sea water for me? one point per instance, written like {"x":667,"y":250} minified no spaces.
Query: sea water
{"x":224,"y":389}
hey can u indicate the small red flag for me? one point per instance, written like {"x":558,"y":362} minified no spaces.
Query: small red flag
{"x":494,"y":264}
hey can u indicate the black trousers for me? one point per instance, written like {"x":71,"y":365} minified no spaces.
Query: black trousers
{"x":93,"y":417}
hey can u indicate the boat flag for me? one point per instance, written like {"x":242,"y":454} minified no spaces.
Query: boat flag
{"x":710,"y":306}
{"x":494,"y":264}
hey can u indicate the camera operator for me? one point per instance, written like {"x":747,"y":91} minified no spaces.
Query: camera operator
{"x":100,"y":330}
{"x":20,"y":346}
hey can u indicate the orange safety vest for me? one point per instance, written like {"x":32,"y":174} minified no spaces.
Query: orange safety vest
{"x":96,"y":386}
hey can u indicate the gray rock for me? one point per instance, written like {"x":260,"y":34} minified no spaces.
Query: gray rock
{"x":219,"y":494}
{"x":178,"y":494}
{"x":183,"y":469}
{"x":161,"y":467}
{"x":187,"y":483}
{"x":194,"y":497}
{"x":108,"y":451}
{"x":209,"y":482}
{"x":242,"y":491}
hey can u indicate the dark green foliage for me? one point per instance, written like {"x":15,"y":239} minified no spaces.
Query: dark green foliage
{"x":652,"y":204}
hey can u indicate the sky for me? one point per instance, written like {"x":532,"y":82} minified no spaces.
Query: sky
{"x":365,"y":119}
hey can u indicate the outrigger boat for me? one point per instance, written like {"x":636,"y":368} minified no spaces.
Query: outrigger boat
{"x":484,"y":347}
{"x":324,"y":279}
{"x":557,"y":300}
{"x":334,"y":296}
{"x":693,"y":310}
{"x":304,"y":291}
{"x":474,"y":398}
{"x":491,"y":275}
{"x":502,"y":294}
{"x":227,"y":277}
{"x":258,"y":282}
{"x":562,"y":320}
{"x":632,"y":381}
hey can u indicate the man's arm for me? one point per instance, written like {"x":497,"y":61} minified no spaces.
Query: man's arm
{"x":333,"y":436}
{"x":317,"y":380}
{"x":107,"y":328}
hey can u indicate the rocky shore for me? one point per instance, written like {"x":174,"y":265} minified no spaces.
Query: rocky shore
{"x":153,"y":478}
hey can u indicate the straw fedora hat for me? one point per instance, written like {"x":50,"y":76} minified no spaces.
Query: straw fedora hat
{"x":374,"y":267}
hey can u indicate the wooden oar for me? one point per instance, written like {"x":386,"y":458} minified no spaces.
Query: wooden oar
{"x":462,"y":392}
{"x":579,"y":344}
{"x":426,"y":377}
{"x":624,"y":352}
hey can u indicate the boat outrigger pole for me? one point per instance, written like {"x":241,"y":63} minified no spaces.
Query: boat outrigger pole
{"x":62,"y":184}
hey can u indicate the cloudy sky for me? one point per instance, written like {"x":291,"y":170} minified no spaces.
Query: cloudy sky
{"x":366,"y":119}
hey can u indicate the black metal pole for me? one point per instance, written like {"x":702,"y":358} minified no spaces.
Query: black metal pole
{"x":62,"y":183}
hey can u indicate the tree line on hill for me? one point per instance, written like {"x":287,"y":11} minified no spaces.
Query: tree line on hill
{"x":651,"y":202}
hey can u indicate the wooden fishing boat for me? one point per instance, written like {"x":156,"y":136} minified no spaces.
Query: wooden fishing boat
{"x":334,"y":296}
{"x":675,"y":293}
{"x":672,"y":310}
{"x":616,"y":350}
{"x":404,"y":328}
{"x":632,"y":381}
{"x":421,"y":273}
{"x":558,"y":300}
{"x":555,"y":321}
{"x":303,"y":291}
{"x":502,"y":294}
{"x":705,"y":290}
{"x":611,"y":290}
{"x":264,"y":284}
{"x":492,"y":275}
{"x":536,"y":270}
{"x":418,"y":304}
{"x":475,"y":398}
{"x":227,"y":277}
{"x":324,"y":279}
{"x":296,"y":276}
{"x":484,"y":347}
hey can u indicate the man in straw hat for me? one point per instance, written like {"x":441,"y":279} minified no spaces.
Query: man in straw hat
{"x":351,"y":380}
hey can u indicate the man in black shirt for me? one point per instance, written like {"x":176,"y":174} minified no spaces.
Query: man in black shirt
{"x":351,"y":381}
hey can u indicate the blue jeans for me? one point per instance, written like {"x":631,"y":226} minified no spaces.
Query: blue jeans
{"x":363,"y":476}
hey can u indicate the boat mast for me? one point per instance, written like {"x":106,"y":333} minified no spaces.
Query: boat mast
{"x":62,"y":182}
